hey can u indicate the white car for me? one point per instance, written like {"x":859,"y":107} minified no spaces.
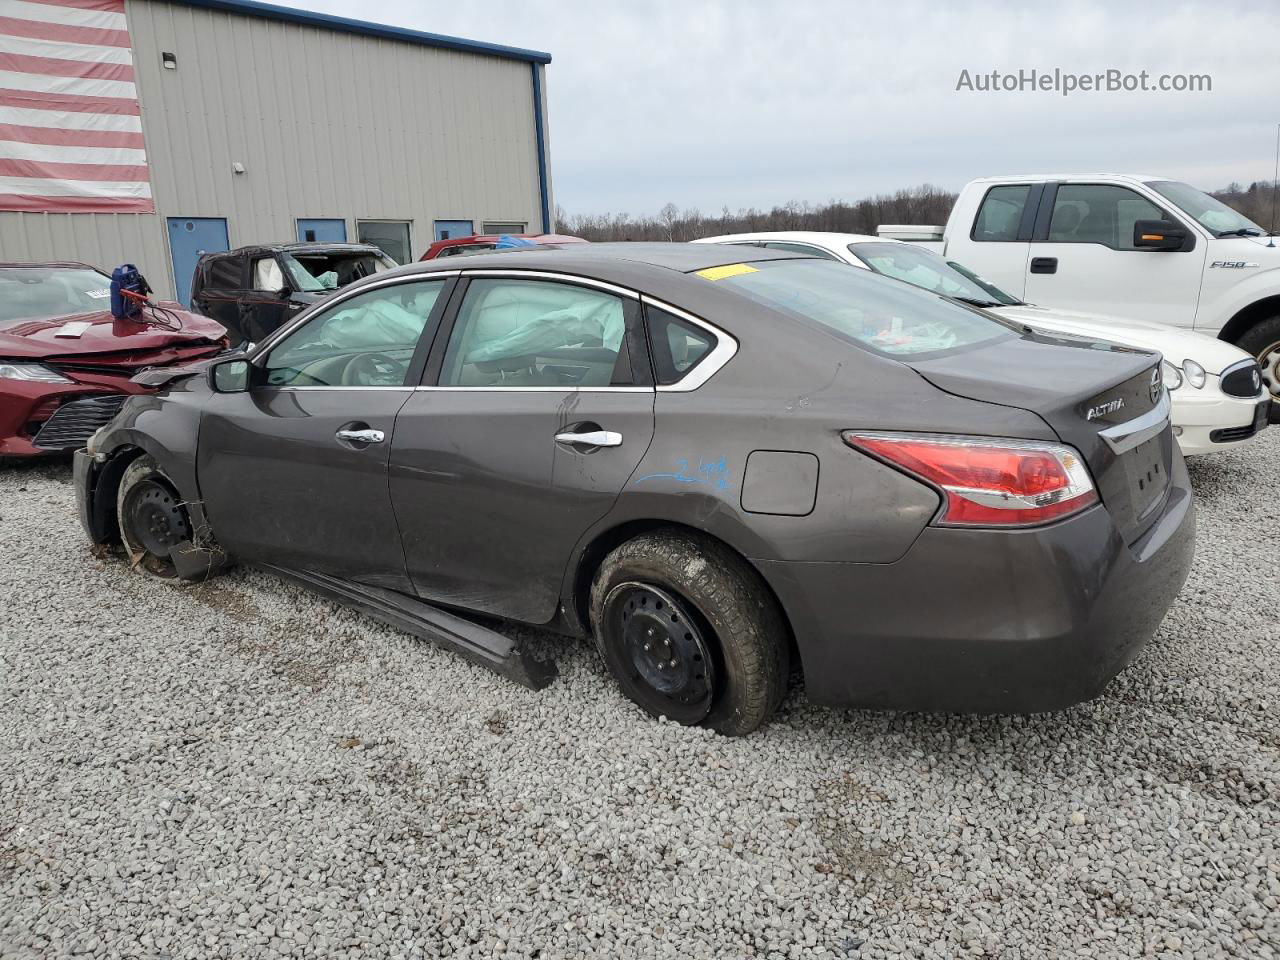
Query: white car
{"x":1219,"y":400}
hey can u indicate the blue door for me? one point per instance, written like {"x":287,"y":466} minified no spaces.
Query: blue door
{"x":451,"y":229}
{"x":189,"y":237}
{"x":322,"y":231}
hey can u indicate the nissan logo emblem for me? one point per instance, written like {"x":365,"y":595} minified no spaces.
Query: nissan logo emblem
{"x":1156,"y":385}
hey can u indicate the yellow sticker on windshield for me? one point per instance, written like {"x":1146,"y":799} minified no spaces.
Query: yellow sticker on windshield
{"x":730,"y":270}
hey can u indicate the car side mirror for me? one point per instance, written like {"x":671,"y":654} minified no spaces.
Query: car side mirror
{"x":230,"y":376}
{"x":1159,"y":235}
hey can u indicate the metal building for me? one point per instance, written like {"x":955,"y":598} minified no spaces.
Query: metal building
{"x":263,"y":123}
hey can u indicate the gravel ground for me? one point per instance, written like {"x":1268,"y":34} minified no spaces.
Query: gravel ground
{"x":242,"y":770}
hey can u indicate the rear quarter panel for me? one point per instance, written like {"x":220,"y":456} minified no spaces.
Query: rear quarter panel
{"x":797,"y":393}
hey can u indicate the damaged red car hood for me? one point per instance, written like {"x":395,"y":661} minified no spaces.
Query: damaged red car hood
{"x":109,"y":339}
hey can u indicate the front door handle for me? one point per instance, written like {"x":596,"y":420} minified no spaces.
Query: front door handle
{"x":361,"y":436}
{"x":1044,"y":264}
{"x":591,"y":438}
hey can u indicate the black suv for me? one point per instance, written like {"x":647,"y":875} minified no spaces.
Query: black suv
{"x":253,"y":290}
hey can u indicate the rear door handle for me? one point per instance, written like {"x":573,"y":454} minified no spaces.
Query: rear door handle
{"x":361,"y":436}
{"x":1044,"y":264}
{"x":592,"y":438}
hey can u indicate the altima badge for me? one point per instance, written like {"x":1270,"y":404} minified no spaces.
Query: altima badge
{"x":1102,"y":409}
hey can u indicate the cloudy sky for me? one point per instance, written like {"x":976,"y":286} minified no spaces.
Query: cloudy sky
{"x":758,"y":102}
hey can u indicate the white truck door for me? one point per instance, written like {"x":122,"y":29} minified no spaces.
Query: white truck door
{"x":1082,"y":256}
{"x":990,"y":232}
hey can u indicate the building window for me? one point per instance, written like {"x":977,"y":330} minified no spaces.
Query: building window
{"x":504,"y":226}
{"x":389,"y":236}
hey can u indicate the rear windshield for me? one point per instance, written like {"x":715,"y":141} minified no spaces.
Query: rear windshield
{"x":28,"y":293}
{"x":883,"y":315}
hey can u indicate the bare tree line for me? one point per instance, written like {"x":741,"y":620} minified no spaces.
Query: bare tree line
{"x":920,"y":205}
{"x":1257,"y":201}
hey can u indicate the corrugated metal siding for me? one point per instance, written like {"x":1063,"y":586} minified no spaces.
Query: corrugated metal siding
{"x":100,"y":239}
{"x":327,"y":124}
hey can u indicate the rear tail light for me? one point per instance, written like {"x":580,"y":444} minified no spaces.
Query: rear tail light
{"x":987,"y":482}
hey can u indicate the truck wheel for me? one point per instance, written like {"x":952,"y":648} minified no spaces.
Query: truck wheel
{"x":690,"y":632}
{"x":1263,"y":341}
{"x":152,"y":518}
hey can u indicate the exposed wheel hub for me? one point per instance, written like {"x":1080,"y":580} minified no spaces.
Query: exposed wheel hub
{"x":156,"y":520}
{"x":663,"y":650}
{"x":1269,"y":360}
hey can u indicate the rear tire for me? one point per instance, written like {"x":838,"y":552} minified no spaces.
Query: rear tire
{"x":691,"y":632}
{"x":152,"y":518}
{"x":1262,"y":340}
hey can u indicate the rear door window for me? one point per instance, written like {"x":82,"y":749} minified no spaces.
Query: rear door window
{"x":512,"y":333}
{"x":1001,"y":213}
{"x":226,"y":273}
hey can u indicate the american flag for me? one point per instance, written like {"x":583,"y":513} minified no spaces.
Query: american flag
{"x":70,"y":126}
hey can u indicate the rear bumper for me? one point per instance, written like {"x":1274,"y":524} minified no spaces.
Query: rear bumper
{"x":988,"y":621}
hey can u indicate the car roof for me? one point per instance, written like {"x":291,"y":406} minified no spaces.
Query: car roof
{"x":1035,"y":177}
{"x":494,"y":237}
{"x":797,"y":236}
{"x":295,"y":247}
{"x":602,"y":259}
{"x":54,"y":264}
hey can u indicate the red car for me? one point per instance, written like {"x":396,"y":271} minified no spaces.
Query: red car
{"x":486,"y":242}
{"x":65,"y":361}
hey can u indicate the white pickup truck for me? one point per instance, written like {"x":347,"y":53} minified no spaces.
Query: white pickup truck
{"x":1125,"y":245}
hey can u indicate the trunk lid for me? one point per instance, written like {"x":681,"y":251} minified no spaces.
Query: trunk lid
{"x":1105,"y":400}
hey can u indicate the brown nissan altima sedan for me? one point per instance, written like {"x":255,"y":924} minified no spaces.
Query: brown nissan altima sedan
{"x":716,"y":461}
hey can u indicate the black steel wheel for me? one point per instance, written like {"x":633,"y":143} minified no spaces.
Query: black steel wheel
{"x":666,"y":664}
{"x":691,"y":631}
{"x":153,"y":519}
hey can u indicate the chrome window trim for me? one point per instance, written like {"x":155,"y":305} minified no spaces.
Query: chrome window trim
{"x":341,"y":296}
{"x":489,"y":388}
{"x":1123,"y":437}
{"x":507,"y":273}
{"x":724,"y":350}
{"x":338,"y":386}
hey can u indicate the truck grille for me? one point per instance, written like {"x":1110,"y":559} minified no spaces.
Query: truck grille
{"x":72,"y":424}
{"x":1243,"y":379}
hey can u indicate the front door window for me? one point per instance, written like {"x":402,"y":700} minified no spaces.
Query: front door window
{"x":367,"y":340}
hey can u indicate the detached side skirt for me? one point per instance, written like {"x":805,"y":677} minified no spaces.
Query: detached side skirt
{"x":479,"y":644}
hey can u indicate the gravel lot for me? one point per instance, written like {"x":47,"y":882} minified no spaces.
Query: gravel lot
{"x":242,"y":770}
